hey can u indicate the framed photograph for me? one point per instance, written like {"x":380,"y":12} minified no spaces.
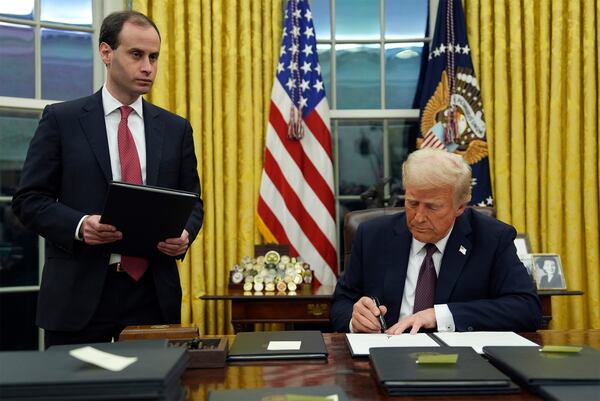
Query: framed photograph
{"x":522,"y":244}
{"x":548,"y":272}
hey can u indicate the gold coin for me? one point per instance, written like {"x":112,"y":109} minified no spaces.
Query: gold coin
{"x":272,"y":257}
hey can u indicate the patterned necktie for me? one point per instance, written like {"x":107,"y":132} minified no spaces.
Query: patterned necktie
{"x":425,"y":291}
{"x":131,"y":172}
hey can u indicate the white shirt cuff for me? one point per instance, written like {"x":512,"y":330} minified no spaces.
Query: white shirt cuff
{"x":443,"y":316}
{"x":77,"y":236}
{"x":350,"y":326}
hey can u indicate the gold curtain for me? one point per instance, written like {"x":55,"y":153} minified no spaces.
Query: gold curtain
{"x":537,"y":61}
{"x":216,"y":68}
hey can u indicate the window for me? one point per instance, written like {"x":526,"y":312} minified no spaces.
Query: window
{"x":370,"y":55}
{"x":47,"y":53}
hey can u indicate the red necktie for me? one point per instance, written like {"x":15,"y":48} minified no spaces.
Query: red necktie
{"x":425,"y":291}
{"x":130,"y":172}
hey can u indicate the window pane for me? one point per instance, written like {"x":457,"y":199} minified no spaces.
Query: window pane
{"x":17,"y":321}
{"x":360,"y":155}
{"x":405,"y":19}
{"x":22,"y":9}
{"x":321,"y":19}
{"x":324,"y":52}
{"x":16,"y":130}
{"x":66,"y":64}
{"x":18,"y":251}
{"x":358,"y":76}
{"x":402,"y":66}
{"x":402,"y":138}
{"x":357,"y":19}
{"x":17,"y":61}
{"x":75,"y":12}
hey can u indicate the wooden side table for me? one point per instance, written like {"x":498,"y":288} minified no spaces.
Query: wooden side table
{"x":311,"y":306}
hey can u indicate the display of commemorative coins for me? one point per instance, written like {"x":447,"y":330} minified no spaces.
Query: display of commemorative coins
{"x":271,"y":272}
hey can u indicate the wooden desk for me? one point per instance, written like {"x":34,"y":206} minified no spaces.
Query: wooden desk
{"x":312,"y":307}
{"x":352,"y":375}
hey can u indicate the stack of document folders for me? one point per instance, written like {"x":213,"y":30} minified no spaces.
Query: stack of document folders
{"x":132,"y":370}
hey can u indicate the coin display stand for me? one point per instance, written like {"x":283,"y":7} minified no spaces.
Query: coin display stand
{"x":271,"y":273}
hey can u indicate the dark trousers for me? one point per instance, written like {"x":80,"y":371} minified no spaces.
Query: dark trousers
{"x":124,"y":302}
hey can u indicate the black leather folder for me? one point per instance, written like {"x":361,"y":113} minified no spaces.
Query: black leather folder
{"x":56,"y":375}
{"x":577,"y":392}
{"x":259,"y":394}
{"x":399,"y":373}
{"x":250,"y":346}
{"x":532,"y":368}
{"x":145,"y":215}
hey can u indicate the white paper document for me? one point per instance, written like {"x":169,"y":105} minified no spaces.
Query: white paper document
{"x":284,"y":345}
{"x":479,"y":339}
{"x":105,"y":360}
{"x":361,"y":342}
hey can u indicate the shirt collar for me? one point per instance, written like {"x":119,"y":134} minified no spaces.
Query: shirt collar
{"x":111,"y":104}
{"x":418,"y":246}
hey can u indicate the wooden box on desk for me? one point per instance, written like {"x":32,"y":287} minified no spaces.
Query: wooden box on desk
{"x":211,"y":353}
{"x":167,"y":331}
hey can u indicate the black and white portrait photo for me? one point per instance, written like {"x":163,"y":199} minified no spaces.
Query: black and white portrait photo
{"x":548,"y":272}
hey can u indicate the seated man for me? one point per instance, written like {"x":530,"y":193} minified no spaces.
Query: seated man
{"x":437,"y":266}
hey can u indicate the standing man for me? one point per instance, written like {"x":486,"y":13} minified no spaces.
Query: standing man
{"x":439,"y":265}
{"x":87,"y":294}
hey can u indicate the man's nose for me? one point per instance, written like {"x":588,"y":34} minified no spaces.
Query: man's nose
{"x":147,"y":65}
{"x":420,"y":214}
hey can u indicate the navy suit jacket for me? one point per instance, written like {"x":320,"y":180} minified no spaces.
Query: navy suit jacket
{"x":66,"y":176}
{"x":486,"y":288}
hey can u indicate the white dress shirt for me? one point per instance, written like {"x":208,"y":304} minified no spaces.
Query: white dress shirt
{"x":443,"y":316}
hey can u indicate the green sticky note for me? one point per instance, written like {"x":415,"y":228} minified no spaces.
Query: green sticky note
{"x":439,"y":358}
{"x":561,"y":348}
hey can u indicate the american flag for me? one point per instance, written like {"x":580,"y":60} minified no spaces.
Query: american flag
{"x":296,"y":205}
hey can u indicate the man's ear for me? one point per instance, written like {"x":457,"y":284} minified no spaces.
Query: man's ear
{"x":106,"y":53}
{"x":461,"y":209}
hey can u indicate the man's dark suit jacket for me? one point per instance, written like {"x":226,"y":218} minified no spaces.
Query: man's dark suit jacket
{"x":487,"y":288}
{"x":66,"y":176}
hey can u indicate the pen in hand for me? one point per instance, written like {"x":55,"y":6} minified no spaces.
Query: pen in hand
{"x":381,"y":319}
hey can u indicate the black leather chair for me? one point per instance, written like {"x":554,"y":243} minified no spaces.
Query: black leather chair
{"x":353,"y":219}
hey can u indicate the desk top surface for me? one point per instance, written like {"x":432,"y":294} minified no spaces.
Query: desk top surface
{"x":351,"y":374}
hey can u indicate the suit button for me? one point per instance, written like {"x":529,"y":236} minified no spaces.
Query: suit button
{"x":470,"y":328}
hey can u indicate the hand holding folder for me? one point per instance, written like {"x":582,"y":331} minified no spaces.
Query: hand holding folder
{"x":146,"y":216}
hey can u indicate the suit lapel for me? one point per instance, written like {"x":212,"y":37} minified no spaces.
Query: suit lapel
{"x":154,"y":141}
{"x":395,"y":275}
{"x":457,"y":252}
{"x":94,"y":127}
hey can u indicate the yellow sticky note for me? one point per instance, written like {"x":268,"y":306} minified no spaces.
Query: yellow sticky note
{"x":561,"y":348}
{"x":439,"y":358}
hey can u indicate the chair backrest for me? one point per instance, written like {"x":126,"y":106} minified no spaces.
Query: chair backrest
{"x":353,"y":219}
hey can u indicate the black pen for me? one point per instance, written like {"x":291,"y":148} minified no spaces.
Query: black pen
{"x":381,"y":319}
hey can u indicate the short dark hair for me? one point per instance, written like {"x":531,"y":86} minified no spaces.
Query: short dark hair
{"x":113,"y":24}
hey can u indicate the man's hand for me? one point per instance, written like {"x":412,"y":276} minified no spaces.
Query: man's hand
{"x":365,"y":316}
{"x":424,"y":319}
{"x":95,"y":233}
{"x":175,"y":246}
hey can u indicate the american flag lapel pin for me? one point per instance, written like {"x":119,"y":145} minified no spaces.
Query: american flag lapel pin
{"x":462,"y":250}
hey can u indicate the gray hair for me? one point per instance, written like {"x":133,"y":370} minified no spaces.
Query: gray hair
{"x":431,"y":168}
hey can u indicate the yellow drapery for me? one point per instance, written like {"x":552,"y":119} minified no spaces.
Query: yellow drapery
{"x":538,"y":65}
{"x":216,"y":68}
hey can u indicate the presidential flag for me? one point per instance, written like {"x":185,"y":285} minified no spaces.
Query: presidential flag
{"x":452,"y":115}
{"x":296,"y":204}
